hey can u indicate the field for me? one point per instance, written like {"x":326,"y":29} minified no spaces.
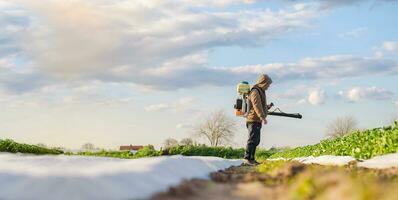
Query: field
{"x":187,"y":150}
{"x":282,"y":179}
{"x":289,"y":180}
{"x":272,"y":179}
{"x":359,"y":144}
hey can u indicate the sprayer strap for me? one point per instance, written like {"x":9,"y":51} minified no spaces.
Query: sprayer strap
{"x":261,"y":96}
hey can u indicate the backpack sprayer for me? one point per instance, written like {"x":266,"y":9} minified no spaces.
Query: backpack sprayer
{"x":242,"y":105}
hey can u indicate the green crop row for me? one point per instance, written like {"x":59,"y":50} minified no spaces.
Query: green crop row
{"x":186,"y":150}
{"x":14,"y":147}
{"x":147,"y":151}
{"x":202,"y":150}
{"x":359,"y":144}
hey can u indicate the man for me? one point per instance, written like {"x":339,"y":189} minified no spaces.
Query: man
{"x":257,"y":115}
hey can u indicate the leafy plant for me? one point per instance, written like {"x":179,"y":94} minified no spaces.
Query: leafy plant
{"x":203,"y":150}
{"x":186,"y":150}
{"x":359,"y":144}
{"x":14,"y":147}
{"x":147,"y":151}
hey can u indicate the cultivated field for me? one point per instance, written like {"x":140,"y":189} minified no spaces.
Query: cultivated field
{"x":361,"y":165}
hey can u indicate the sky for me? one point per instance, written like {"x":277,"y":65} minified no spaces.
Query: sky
{"x":117,"y":72}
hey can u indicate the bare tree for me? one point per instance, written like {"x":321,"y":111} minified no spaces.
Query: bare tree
{"x":217,"y":128}
{"x":341,"y":126}
{"x":170,"y":142}
{"x":88,"y":147}
{"x":186,"y":141}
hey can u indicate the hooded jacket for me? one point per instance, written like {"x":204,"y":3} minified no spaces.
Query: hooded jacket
{"x":258,"y":109}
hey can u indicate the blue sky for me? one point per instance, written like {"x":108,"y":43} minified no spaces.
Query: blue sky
{"x":132,"y":72}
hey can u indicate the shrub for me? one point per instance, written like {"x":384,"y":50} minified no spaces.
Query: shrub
{"x":147,"y":151}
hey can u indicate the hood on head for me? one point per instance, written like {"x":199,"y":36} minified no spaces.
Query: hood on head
{"x":263,"y":80}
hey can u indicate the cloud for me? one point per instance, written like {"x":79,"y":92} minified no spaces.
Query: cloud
{"x":354,"y":33}
{"x":390,"y":45}
{"x":330,"y":4}
{"x":15,"y":80}
{"x":316,"y":97}
{"x":370,"y":93}
{"x":139,"y":42}
{"x":184,"y":126}
{"x":396,"y":103}
{"x":6,"y":63}
{"x":301,"y":101}
{"x":212,"y":3}
{"x":160,"y":45}
{"x":329,"y":67}
{"x":157,"y":107}
{"x":336,"y":67}
{"x":297,"y":91}
{"x":181,"y":105}
{"x":385,"y":47}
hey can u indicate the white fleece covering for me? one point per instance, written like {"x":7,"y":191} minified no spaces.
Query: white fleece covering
{"x":76,"y":177}
{"x":378,"y":162}
{"x":381,"y":162}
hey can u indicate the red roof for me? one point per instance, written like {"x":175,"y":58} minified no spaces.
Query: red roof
{"x":130,"y":147}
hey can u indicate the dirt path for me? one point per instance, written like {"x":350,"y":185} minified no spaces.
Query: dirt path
{"x":289,"y":180}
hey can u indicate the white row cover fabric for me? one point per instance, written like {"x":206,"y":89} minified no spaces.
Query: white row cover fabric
{"x":77,"y":177}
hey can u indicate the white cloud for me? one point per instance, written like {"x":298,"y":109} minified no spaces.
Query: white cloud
{"x":330,"y":4}
{"x":385,"y":47}
{"x":161,"y":44}
{"x":297,"y":91}
{"x":378,"y":54}
{"x":7,"y":62}
{"x":354,"y":94}
{"x":180,"y":105}
{"x":390,"y":45}
{"x":316,"y":97}
{"x":301,"y":101}
{"x":396,"y":103}
{"x":211,"y":3}
{"x":139,"y":42}
{"x":184,"y":126}
{"x":157,"y":107}
{"x":329,"y":67}
{"x":354,"y":33}
{"x":370,"y":93}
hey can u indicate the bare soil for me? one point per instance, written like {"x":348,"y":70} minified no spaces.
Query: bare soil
{"x":291,"y":180}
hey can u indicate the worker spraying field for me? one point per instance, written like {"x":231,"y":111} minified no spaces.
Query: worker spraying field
{"x":242,"y":105}
{"x":252,"y":105}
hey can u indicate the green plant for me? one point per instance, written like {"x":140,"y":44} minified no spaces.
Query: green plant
{"x":203,"y":150}
{"x":14,"y":147}
{"x":186,"y":150}
{"x":359,"y":144}
{"x":147,"y":151}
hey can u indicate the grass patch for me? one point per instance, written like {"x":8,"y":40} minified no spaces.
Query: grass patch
{"x":14,"y":147}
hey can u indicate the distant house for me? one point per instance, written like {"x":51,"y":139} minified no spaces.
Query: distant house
{"x":131,"y":148}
